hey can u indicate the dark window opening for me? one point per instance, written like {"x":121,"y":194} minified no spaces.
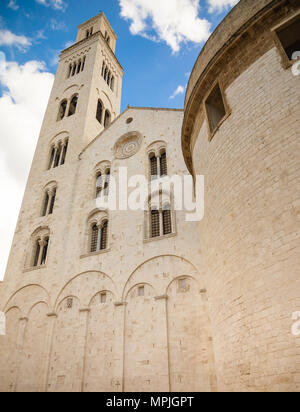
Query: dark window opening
{"x":153,"y":166}
{"x":163,"y":164}
{"x":73,"y":106}
{"x":37,"y":253}
{"x":107,"y":118}
{"x":167,"y":222}
{"x":103,"y":243}
{"x":45,"y":251}
{"x":62,"y":110}
{"x":155,"y":229}
{"x":46,"y":201}
{"x":94,"y":238}
{"x":215,"y":108}
{"x":99,"y":114}
{"x":52,"y":202}
{"x":289,"y":37}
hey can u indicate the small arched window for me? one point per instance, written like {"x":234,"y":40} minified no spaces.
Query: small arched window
{"x":160,"y":217}
{"x":99,"y":114}
{"x":73,"y":105}
{"x":40,"y":249}
{"x":153,"y":166}
{"x":52,"y":155}
{"x":94,"y":238}
{"x":99,"y":237}
{"x":58,"y":154}
{"x":107,"y":118}
{"x":167,"y":220}
{"x":155,"y":224}
{"x":99,"y":185}
{"x":62,"y":109}
{"x":106,"y":183}
{"x":163,"y":164}
{"x":49,"y":201}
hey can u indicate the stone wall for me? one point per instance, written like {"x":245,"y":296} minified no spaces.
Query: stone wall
{"x":250,"y":233}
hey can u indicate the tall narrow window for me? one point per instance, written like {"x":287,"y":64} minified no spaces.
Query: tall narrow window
{"x":167,"y":220}
{"x":73,"y":106}
{"x":94,"y":238}
{"x":105,"y":73}
{"x":79,"y":66}
{"x":153,"y":165}
{"x":64,"y":153}
{"x":112,"y":83}
{"x":215,"y":108}
{"x":99,"y":185}
{"x":108,"y":78}
{"x":83,"y":64}
{"x":107,"y":118}
{"x":103,"y":68}
{"x":103,"y":243}
{"x":62,"y":110}
{"x":57,"y":156}
{"x":52,"y":202}
{"x":155,"y":226}
{"x":99,"y":114}
{"x":74,"y":69}
{"x":45,"y":251}
{"x":37,"y":253}
{"x":46,"y":203}
{"x":106,"y":184}
{"x":52,"y":154}
{"x":163,"y":164}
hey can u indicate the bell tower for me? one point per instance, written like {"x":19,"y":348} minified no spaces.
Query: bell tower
{"x":85,"y":99}
{"x":89,"y":72}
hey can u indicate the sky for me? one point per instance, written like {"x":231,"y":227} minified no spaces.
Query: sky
{"x":158,"y":44}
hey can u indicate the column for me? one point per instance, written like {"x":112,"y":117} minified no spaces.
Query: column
{"x":83,"y":327}
{"x":162,"y":302}
{"x":120,"y":347}
{"x":44,"y":385}
{"x":20,"y":346}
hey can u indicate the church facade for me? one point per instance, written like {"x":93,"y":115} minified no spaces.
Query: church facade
{"x":109,"y":300}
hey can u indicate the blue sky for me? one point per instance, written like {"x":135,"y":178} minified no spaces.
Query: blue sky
{"x":158,"y":44}
{"x":153,"y":71}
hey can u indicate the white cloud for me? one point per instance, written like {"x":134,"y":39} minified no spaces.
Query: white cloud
{"x":54,"y":4}
{"x":173,"y":22}
{"x":220,"y":5}
{"x":7,"y":38}
{"x":22,"y":107}
{"x":57,"y":25}
{"x":179,"y":90}
{"x":13,"y":5}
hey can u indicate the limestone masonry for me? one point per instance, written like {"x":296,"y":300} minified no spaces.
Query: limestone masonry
{"x":139,"y":301}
